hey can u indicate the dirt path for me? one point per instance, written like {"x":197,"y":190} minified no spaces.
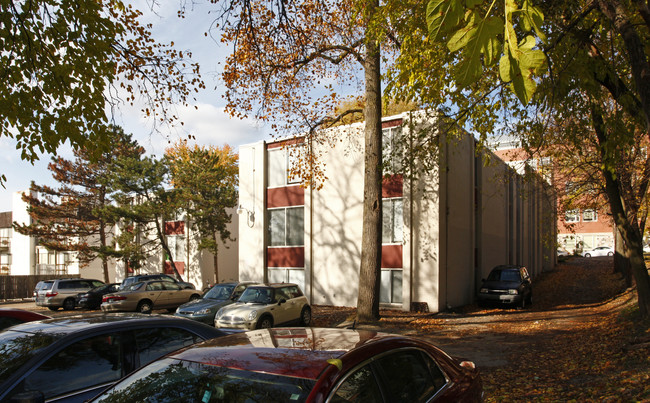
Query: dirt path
{"x":577,"y":291}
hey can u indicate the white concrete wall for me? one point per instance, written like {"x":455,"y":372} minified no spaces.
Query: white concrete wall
{"x":252,"y":225}
{"x":22,"y":246}
{"x":458,"y":202}
{"x":337,"y":221}
{"x":494,"y":215}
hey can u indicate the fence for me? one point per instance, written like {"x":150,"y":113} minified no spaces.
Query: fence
{"x":19,"y":287}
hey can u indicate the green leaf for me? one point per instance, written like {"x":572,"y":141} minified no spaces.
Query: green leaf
{"x":443,"y":16}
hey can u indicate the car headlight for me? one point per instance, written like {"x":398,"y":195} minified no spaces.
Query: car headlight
{"x":483,"y":291}
{"x":252,"y":315}
{"x":203,"y":311}
{"x":219,"y":313}
{"x":513,"y":292}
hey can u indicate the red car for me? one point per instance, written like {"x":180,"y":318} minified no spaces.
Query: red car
{"x":303,"y":365}
{"x":14,"y":316}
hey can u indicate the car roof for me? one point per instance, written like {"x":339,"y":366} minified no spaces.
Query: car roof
{"x":70,"y":324}
{"x":298,"y":352}
{"x":508,"y":267}
{"x":273,"y":285}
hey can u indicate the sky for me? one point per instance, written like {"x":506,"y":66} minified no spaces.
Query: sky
{"x":208,"y":124}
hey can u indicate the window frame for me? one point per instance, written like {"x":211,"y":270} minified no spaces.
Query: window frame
{"x":395,"y":239}
{"x":593,"y":212}
{"x":286,"y":234}
{"x":575,"y":213}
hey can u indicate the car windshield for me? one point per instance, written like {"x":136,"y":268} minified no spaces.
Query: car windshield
{"x":16,"y":348}
{"x":170,"y":380}
{"x":220,"y":292}
{"x":101,"y":287}
{"x":504,"y":275}
{"x":260,"y":295}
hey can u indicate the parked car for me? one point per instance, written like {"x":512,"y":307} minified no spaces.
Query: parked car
{"x":93,"y":298}
{"x":38,"y":287}
{"x":205,"y":309}
{"x":507,"y":284}
{"x":159,"y":276}
{"x":266,"y":305}
{"x":14,"y":316}
{"x":146,"y":296}
{"x":303,"y":365}
{"x":73,"y":358}
{"x":562,"y":252}
{"x":599,"y":251}
{"x":62,"y":293}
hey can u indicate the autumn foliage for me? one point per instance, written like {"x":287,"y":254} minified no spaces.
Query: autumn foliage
{"x":582,"y":339}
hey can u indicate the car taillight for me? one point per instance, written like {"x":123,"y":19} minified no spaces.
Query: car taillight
{"x":114,"y":298}
{"x":51,"y":294}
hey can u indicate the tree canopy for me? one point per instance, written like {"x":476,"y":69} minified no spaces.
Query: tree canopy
{"x":66,"y":65}
{"x":206,"y":179}
{"x":597,"y":60}
{"x":72,"y":217}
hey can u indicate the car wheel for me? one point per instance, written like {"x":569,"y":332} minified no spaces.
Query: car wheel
{"x":68,"y":304}
{"x":265,"y":322}
{"x":610,"y":253}
{"x":305,"y":316}
{"x":195,"y":297}
{"x":587,"y":255}
{"x":522,"y":304}
{"x":144,"y":306}
{"x":53,"y":308}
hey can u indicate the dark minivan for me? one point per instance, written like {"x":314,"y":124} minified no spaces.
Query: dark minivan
{"x":507,"y":284}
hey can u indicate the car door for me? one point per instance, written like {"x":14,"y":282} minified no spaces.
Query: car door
{"x":174,"y":295}
{"x":288,"y":309}
{"x":154,"y":291}
{"x":78,"y":371}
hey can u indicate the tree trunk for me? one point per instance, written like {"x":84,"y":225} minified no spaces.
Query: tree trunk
{"x":630,"y":234}
{"x":621,"y":259}
{"x":216,"y":262}
{"x":370,"y":270}
{"x":165,"y":247}
{"x":102,"y":243}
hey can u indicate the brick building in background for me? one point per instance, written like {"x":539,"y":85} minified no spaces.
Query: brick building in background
{"x":578,"y":229}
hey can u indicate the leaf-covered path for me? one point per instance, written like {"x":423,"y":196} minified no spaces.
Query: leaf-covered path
{"x":579,"y":341}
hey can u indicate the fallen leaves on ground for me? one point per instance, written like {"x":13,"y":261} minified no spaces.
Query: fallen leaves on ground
{"x":586,"y":341}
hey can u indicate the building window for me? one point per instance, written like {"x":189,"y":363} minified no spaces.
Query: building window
{"x":392,"y":149}
{"x":176,"y":245}
{"x":281,"y":161}
{"x":390,"y":291}
{"x":287,"y":226}
{"x":572,"y":216}
{"x":589,"y":215}
{"x":392,"y":221}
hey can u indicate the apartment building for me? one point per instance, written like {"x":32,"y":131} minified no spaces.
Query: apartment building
{"x":442,"y":231}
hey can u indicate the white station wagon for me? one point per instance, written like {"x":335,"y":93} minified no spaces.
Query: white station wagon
{"x":266,"y":305}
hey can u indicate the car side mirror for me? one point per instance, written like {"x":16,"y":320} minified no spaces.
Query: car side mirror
{"x":32,"y":396}
{"x":282,"y":301}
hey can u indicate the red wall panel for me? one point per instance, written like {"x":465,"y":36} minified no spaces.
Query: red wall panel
{"x":293,"y":256}
{"x":174,"y":227}
{"x":285,"y":196}
{"x":392,"y":186}
{"x":180,"y":266}
{"x":391,"y":256}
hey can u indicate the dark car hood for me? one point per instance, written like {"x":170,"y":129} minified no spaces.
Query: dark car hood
{"x":199,"y":304}
{"x":501,"y":285}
